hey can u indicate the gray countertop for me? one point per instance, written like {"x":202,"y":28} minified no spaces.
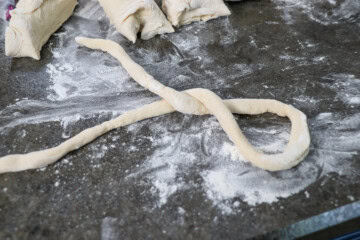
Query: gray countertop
{"x":177,"y":176}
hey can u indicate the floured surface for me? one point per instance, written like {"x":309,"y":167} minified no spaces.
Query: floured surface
{"x":179,"y":170}
{"x":326,"y":12}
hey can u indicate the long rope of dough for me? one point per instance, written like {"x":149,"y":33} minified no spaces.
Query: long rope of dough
{"x":193,"y":101}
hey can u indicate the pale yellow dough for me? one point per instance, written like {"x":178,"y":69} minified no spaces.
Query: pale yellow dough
{"x":133,"y":16}
{"x":32,"y":23}
{"x":194,"y":101}
{"x":182,"y":12}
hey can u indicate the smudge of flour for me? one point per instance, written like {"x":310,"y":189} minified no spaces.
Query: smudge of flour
{"x":109,"y":230}
{"x":322,"y":11}
{"x":346,"y":86}
{"x":86,"y":76}
{"x":67,"y":113}
{"x":193,"y":149}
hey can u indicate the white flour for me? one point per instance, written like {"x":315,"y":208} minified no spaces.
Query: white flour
{"x":85,"y":77}
{"x":229,"y":177}
{"x":319,"y":10}
{"x":347,"y":87}
{"x":109,"y":229}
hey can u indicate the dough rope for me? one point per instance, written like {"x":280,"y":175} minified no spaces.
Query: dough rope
{"x":193,"y":101}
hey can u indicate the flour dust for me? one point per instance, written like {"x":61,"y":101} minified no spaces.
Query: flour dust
{"x":227,"y":176}
{"x":325,"y":12}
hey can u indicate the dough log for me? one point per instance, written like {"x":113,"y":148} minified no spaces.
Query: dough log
{"x":32,"y":23}
{"x":182,"y":12}
{"x":133,"y":16}
{"x":194,"y":101}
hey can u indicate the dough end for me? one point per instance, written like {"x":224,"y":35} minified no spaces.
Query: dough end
{"x":129,"y":28}
{"x":12,"y":43}
{"x":80,"y":40}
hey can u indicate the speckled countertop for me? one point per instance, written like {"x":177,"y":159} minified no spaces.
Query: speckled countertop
{"x":177,"y":176}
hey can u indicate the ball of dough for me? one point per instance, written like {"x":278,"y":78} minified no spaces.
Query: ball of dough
{"x":32,"y":23}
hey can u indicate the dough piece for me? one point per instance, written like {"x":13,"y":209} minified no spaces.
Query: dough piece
{"x":194,"y":101}
{"x":182,"y":12}
{"x":132,"y":16}
{"x":32,"y":23}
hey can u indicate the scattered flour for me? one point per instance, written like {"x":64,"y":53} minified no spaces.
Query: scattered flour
{"x":86,"y":77}
{"x":231,"y":151}
{"x":301,"y":61}
{"x":307,"y":195}
{"x":351,"y":198}
{"x":181,"y":211}
{"x":109,"y":229}
{"x":225,"y":174}
{"x":325,"y":12}
{"x":346,"y":86}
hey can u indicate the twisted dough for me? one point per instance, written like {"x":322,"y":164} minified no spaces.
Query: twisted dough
{"x":193,"y":101}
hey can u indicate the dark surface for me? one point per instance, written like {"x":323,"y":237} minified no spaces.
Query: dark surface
{"x":280,"y":42}
{"x":329,"y":225}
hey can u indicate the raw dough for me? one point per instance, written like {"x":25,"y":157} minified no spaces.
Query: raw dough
{"x":132,"y":16}
{"x":182,"y":12}
{"x":194,"y":101}
{"x":32,"y":23}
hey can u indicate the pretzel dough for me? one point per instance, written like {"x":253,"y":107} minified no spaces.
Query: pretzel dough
{"x":182,"y":12}
{"x":194,"y":101}
{"x":32,"y":23}
{"x":132,"y":16}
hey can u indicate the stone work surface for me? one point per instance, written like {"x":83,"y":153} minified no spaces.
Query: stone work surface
{"x":179,"y":176}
